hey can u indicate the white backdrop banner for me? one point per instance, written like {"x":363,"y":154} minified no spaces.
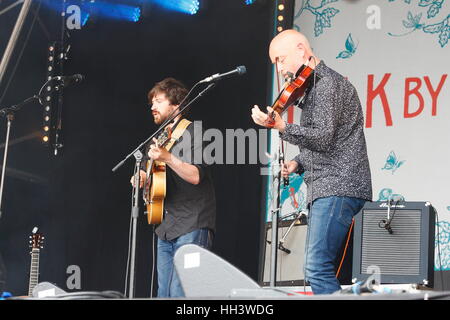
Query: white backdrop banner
{"x":396,"y":53}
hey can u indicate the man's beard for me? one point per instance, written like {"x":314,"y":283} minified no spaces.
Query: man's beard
{"x":157,"y":119}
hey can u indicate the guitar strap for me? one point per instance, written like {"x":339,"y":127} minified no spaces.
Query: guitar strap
{"x":178,"y":132}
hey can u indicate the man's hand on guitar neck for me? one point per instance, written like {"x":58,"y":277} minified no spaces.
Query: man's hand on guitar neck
{"x":159,"y":153}
{"x":186,"y":171}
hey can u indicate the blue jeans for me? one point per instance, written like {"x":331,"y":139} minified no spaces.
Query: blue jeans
{"x":329,"y":220}
{"x":169,"y":284}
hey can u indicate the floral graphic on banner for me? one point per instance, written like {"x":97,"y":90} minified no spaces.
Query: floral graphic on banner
{"x":412,"y":22}
{"x":350,"y":48}
{"x":290,"y":196}
{"x":323,"y":15}
{"x":442,"y":246}
{"x":293,"y":193}
{"x":392,"y":162}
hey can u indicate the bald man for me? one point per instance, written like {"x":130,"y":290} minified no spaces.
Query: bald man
{"x":332,"y":155}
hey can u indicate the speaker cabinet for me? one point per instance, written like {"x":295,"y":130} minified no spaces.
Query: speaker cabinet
{"x":401,"y":252}
{"x":289,"y":265}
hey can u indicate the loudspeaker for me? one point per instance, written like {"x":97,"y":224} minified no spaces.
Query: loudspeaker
{"x":46,"y":289}
{"x":204,"y":274}
{"x":396,"y":241}
{"x":289,"y":265}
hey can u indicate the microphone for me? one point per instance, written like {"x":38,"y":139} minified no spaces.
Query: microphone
{"x":219,"y":76}
{"x":280,"y":247}
{"x":387,"y":223}
{"x":69,"y":80}
{"x":283,"y":248}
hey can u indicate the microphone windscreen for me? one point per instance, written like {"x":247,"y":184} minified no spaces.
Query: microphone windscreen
{"x":241,"y":69}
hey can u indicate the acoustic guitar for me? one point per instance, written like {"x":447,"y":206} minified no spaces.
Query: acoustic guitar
{"x":36,"y":243}
{"x":155,"y":183}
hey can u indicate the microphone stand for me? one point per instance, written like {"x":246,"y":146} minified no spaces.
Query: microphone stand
{"x":9,"y":113}
{"x":275,"y":217}
{"x":138,"y":156}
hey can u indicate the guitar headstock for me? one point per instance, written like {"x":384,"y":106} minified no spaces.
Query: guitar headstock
{"x":37,"y":240}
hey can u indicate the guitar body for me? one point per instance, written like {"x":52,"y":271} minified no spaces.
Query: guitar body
{"x":155,"y":206}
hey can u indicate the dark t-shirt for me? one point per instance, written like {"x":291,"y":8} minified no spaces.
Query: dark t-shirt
{"x":188,"y":207}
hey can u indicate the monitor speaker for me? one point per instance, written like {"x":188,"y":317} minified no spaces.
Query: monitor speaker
{"x":396,"y":241}
{"x":204,"y":274}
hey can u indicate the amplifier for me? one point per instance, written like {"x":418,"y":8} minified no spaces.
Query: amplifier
{"x":290,"y":262}
{"x":396,"y":241}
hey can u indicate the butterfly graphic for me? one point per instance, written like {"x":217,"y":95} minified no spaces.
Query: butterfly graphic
{"x":350,"y":48}
{"x":388,"y":193}
{"x":392,"y":163}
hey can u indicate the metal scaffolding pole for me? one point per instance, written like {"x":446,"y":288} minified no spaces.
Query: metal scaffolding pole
{"x":14,"y":36}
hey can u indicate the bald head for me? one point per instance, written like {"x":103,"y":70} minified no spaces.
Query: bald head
{"x":288,"y":40}
{"x":290,"y":49}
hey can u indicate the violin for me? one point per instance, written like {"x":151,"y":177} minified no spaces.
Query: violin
{"x":293,"y":91}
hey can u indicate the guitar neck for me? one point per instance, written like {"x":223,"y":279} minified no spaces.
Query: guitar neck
{"x":34,"y":271}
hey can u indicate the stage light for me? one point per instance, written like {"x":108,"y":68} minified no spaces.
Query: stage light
{"x":84,"y":18}
{"x":185,"y":6}
{"x":49,"y":91}
{"x":101,"y":9}
{"x":283,"y":18}
{"x":114,"y":11}
{"x":256,"y":3}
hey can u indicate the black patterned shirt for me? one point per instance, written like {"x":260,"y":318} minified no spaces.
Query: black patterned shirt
{"x":330,"y":137}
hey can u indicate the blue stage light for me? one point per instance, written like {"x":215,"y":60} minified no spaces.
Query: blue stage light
{"x":102,"y":9}
{"x":249,"y":2}
{"x":185,"y":6}
{"x":115,"y":11}
{"x":84,"y":18}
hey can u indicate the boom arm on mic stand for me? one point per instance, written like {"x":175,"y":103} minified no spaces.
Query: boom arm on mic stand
{"x":219,"y":76}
